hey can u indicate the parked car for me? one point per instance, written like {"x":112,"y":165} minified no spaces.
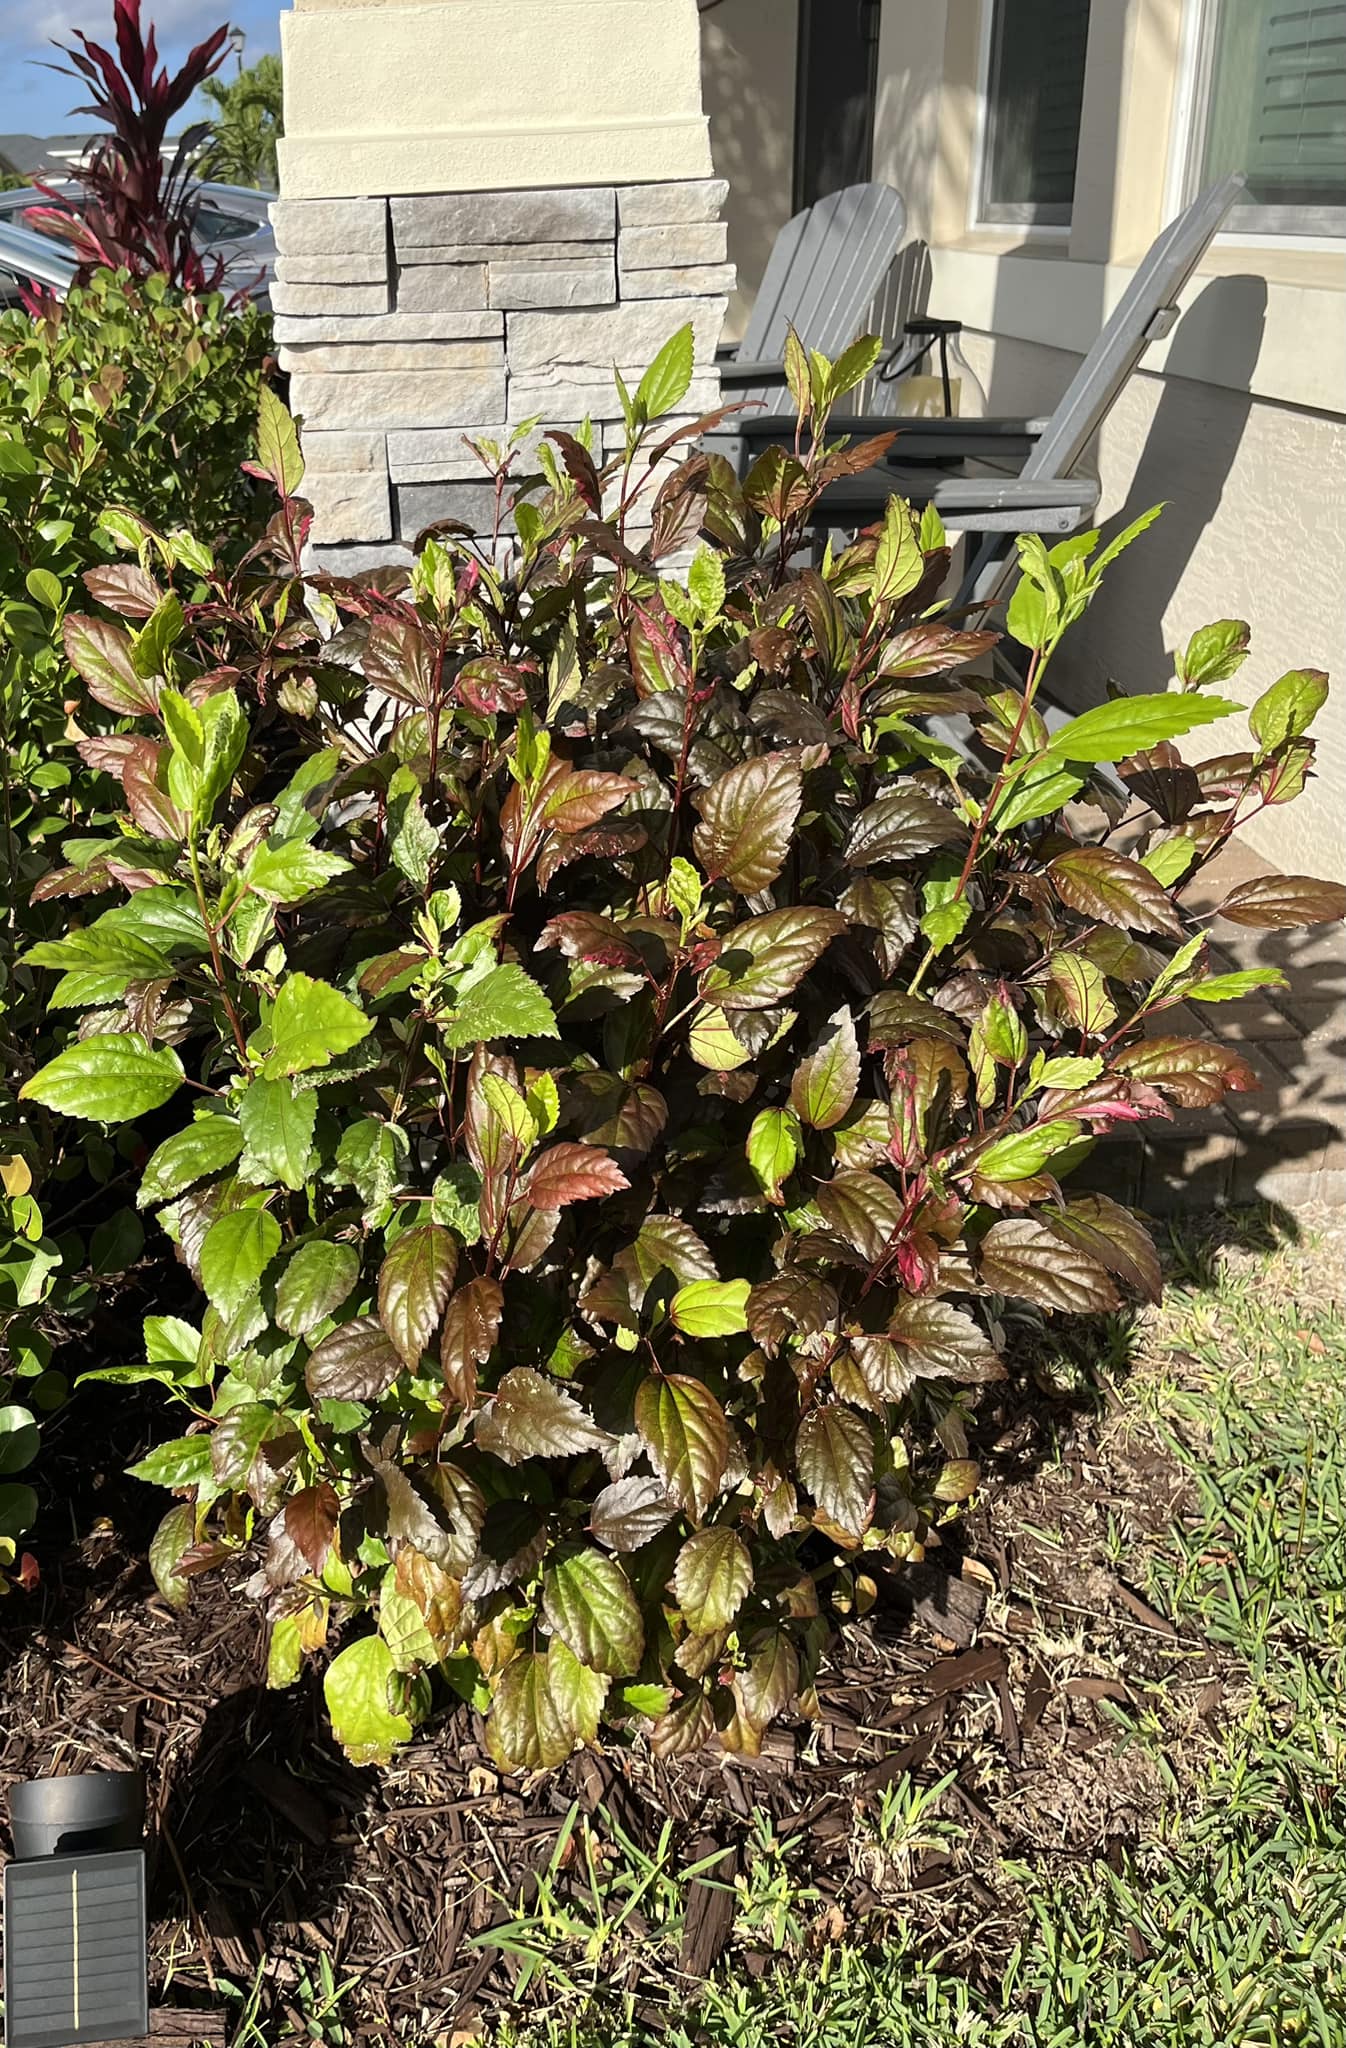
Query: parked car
{"x":231,"y":222}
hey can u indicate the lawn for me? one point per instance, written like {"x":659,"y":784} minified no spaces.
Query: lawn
{"x":1223,"y":1917}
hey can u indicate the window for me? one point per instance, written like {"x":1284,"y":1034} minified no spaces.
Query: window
{"x":1271,"y":102}
{"x":1034,"y":92}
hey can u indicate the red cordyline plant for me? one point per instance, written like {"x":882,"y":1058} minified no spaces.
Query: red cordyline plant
{"x":137,"y":211}
{"x":610,"y":1070}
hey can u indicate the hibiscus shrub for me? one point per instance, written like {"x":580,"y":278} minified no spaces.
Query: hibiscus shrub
{"x":610,"y":1070}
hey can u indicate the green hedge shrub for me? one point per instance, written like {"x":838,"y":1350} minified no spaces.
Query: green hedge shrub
{"x":127,"y":403}
{"x":611,"y":1072}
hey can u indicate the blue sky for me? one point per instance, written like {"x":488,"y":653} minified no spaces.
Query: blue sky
{"x":37,"y":102}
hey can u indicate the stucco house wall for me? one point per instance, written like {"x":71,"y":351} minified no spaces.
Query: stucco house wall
{"x":1238,"y":421}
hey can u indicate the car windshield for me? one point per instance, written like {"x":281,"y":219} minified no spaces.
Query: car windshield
{"x":214,"y":226}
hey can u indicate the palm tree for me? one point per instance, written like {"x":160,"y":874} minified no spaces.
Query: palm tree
{"x":246,"y":125}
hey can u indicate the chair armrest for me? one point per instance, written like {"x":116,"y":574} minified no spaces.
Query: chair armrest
{"x":739,"y":372}
{"x":920,"y":440}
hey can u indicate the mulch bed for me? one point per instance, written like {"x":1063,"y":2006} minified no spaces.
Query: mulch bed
{"x":1005,"y":1662}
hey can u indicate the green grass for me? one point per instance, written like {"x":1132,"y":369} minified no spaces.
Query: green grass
{"x":1226,"y":1929}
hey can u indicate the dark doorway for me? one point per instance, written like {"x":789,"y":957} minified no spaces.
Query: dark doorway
{"x":834,"y":95}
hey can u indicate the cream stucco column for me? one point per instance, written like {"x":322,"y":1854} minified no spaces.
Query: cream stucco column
{"x":485,"y":206}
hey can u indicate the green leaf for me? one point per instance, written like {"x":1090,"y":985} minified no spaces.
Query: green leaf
{"x":1288,"y":708}
{"x":236,"y":1251}
{"x":413,"y":842}
{"x":154,"y":643}
{"x":687,"y":1437}
{"x":19,"y":1438}
{"x":170,"y":1341}
{"x":712,"y":1578}
{"x":1122,"y":540}
{"x":18,"y":1510}
{"x":1227,"y":988}
{"x":526,"y":1728}
{"x":278,"y":1127}
{"x":1129,"y":725}
{"x":1024,"y":1153}
{"x":932,"y":530}
{"x":374,"y":1158}
{"x":506,"y":1003}
{"x":357,"y":1687}
{"x":899,"y":563}
{"x":98,"y":965}
{"x":853,"y":365}
{"x":291,"y":871}
{"x":175,"y":1534}
{"x":705,"y":583}
{"x":826,"y":1079}
{"x":1033,"y":612}
{"x":225,"y":734}
{"x":1043,"y":787}
{"x":285,"y":1653}
{"x":577,"y":1692}
{"x":316,"y":1280}
{"x":278,"y":443}
{"x":415,"y":1281}
{"x":279,"y":1133}
{"x":45,"y":588}
{"x":113,"y":1077}
{"x":236,"y":1441}
{"x":665,"y":383}
{"x":1214,"y":653}
{"x":773,"y":1151}
{"x":1169,"y":859}
{"x":184,"y":1461}
{"x":748,"y":820}
{"x":588,"y":1602}
{"x":311,"y":1024}
{"x":711,"y":1308}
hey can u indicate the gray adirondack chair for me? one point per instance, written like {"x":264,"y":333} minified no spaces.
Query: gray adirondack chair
{"x":824,"y":272}
{"x":998,"y":477}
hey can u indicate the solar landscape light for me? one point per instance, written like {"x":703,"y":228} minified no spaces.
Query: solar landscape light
{"x":75,"y":1911}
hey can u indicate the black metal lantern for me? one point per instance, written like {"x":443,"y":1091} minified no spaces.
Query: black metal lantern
{"x":75,"y":1911}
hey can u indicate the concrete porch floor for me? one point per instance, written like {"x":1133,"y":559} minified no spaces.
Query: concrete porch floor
{"x":1285,"y":1143}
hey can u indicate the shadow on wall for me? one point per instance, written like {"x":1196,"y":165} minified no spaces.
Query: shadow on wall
{"x":1190,"y":450}
{"x":748,"y":90}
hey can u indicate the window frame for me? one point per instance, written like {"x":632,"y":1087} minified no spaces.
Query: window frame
{"x":1035,"y":218}
{"x":1319,"y":226}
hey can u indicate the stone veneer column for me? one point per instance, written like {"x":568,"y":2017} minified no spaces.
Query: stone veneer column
{"x":485,"y":205}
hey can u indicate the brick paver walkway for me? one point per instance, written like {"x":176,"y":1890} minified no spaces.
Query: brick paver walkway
{"x":1286,"y":1143}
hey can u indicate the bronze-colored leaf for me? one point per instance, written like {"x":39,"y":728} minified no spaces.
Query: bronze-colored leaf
{"x":687,"y":1436}
{"x":1022,"y":1258}
{"x":1107,"y":885}
{"x":836,"y":1463}
{"x":357,"y":1362}
{"x":1277,"y":902}
{"x":414,"y":1283}
{"x":471,"y":1325}
{"x":747,"y":821}
{"x":311,"y":1518}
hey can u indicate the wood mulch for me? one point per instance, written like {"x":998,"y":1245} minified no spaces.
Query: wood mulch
{"x":1009,"y":1664}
